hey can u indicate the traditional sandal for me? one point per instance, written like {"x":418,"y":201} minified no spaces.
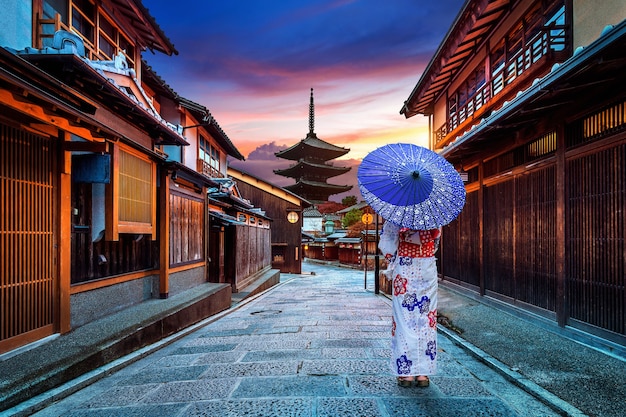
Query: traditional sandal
{"x":405,"y":382}
{"x":422,"y":383}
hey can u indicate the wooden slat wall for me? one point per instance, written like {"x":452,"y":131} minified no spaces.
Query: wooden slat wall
{"x":459,"y":256}
{"x":520,"y":238}
{"x":186,"y":229}
{"x":27,"y":207}
{"x":535,"y":243}
{"x":596,"y":190}
{"x":252,"y":251}
{"x":499,"y":243}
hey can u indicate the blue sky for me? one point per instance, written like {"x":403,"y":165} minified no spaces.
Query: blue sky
{"x":253,"y":63}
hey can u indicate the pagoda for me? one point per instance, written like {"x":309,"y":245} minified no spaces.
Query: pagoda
{"x":312,"y":170}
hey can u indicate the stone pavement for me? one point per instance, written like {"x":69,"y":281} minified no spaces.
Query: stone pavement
{"x":314,"y":345}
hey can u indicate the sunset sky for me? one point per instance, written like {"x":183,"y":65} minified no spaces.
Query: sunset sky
{"x":254,"y":62}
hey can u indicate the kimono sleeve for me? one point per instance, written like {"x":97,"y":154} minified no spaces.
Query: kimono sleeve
{"x":389,"y":239}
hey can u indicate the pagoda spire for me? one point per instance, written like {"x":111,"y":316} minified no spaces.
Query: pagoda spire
{"x":311,"y":169}
{"x":311,"y":114}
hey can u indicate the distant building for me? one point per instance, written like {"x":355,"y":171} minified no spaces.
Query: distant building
{"x":313,"y":221}
{"x":285,"y":212}
{"x":312,"y":170}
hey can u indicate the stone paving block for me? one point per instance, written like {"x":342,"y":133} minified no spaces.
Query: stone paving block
{"x":345,"y":343}
{"x":186,"y":391}
{"x":347,"y":353}
{"x":135,"y":411}
{"x":284,"y":387}
{"x":230,"y":332}
{"x":120,"y":396}
{"x":207,"y":341}
{"x":381,"y":352}
{"x":386,"y":386}
{"x":384,"y":335}
{"x":281,"y":355}
{"x":271,"y":337}
{"x":381,"y":329}
{"x":460,"y":387}
{"x":275,"y":344}
{"x":348,"y":407}
{"x":224,"y":323}
{"x":219,"y":357}
{"x":249,"y":369}
{"x":187,"y":350}
{"x":178,"y":360}
{"x":342,"y":317}
{"x":343,"y":367}
{"x":278,"y":330}
{"x":295,"y":321}
{"x":251,"y":408}
{"x":165,"y":374}
{"x":451,"y":368}
{"x":449,"y":407}
{"x":327,"y":327}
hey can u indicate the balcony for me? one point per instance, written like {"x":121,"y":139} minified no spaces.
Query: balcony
{"x":208,"y":170}
{"x":516,"y":74}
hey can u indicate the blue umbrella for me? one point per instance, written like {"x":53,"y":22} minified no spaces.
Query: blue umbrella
{"x":411,"y":186}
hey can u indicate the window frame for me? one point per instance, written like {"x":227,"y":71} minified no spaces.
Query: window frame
{"x":115,"y":226}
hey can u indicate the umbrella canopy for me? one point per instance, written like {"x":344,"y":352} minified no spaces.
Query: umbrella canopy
{"x":411,"y":186}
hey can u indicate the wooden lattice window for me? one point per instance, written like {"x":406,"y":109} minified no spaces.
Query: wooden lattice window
{"x":102,"y":38}
{"x":131,"y":195}
{"x":111,"y":41}
{"x":209,"y":153}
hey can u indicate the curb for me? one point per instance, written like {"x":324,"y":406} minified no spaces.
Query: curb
{"x":543,"y":395}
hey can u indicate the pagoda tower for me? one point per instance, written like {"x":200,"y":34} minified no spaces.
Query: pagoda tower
{"x":312,"y":170}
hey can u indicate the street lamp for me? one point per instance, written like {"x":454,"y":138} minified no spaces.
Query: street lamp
{"x":329,"y":226}
{"x":292,"y":217}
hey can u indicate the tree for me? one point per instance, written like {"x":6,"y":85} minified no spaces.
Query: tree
{"x":351,"y":217}
{"x":349,"y":200}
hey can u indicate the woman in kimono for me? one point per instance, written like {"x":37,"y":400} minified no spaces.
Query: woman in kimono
{"x":413,"y":271}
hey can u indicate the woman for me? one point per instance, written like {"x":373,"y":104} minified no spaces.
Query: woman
{"x":413,"y":270}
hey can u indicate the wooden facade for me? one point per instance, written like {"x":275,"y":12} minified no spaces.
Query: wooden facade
{"x":543,"y":227}
{"x":104,"y":170}
{"x":277,"y":203}
{"x":28,"y":277}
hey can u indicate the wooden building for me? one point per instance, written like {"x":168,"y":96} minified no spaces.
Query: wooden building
{"x":239,"y":239}
{"x":284,"y":210}
{"x":104,"y":169}
{"x":528,"y":99}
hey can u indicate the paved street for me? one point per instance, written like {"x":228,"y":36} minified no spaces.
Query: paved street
{"x":314,"y":345}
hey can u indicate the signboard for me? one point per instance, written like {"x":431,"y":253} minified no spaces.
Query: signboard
{"x":367,"y":218}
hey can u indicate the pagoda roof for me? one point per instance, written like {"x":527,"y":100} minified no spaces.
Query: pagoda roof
{"x":312,"y":145}
{"x":304,"y":168}
{"x":315,"y":190}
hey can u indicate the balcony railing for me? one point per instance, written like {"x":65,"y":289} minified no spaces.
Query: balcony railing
{"x":208,"y":170}
{"x":534,"y":56}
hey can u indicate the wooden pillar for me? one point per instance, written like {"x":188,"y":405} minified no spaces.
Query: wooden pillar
{"x":481,"y":229}
{"x":64,"y":251}
{"x":562,"y":305}
{"x":164,"y":237}
{"x":206,"y":239}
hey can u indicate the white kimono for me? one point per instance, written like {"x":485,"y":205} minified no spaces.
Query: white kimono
{"x":413,"y":270}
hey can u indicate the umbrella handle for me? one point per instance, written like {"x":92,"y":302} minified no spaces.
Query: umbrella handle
{"x":415,"y":174}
